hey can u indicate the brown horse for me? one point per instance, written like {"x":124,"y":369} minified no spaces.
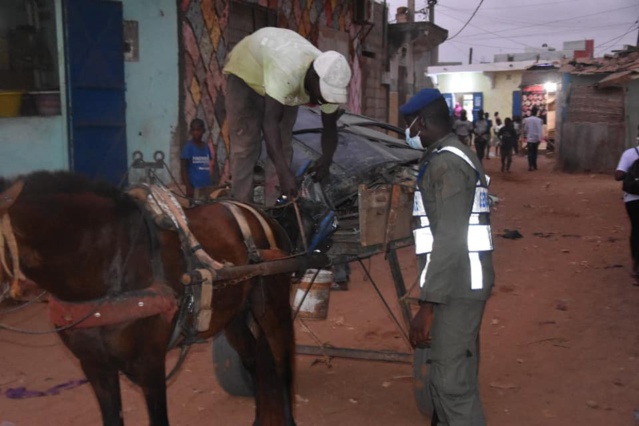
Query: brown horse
{"x":92,"y":245}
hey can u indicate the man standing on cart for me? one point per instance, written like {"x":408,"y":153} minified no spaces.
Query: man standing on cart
{"x":454,"y":245}
{"x":270,"y":73}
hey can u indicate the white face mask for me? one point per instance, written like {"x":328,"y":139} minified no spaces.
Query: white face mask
{"x":414,"y":142}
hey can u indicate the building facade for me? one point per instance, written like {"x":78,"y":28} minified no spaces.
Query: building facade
{"x":90,"y":105}
{"x":598,"y":111}
{"x":114,"y":78}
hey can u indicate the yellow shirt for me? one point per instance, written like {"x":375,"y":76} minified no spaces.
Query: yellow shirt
{"x":274,"y":62}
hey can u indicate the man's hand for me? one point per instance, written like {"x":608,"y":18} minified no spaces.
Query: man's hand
{"x":420,"y":326}
{"x":320,"y":169}
{"x":288,"y":183}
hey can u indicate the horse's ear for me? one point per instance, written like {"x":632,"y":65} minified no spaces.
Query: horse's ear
{"x":8,"y":197}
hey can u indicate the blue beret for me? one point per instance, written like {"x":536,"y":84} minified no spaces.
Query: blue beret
{"x":421,"y":100}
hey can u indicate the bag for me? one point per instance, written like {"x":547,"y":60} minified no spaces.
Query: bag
{"x":631,"y":180}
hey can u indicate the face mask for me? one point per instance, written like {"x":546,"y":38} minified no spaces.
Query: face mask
{"x":414,"y":142}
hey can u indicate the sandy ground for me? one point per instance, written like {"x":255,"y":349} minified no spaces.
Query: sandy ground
{"x":560,"y":341}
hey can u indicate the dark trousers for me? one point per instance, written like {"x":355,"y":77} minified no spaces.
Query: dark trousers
{"x":480,"y":147}
{"x":506,"y":152}
{"x":632,"y":207}
{"x":245,"y":118}
{"x":455,"y":363}
{"x":532,"y":154}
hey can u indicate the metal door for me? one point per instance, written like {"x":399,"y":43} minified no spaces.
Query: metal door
{"x":449,"y":101}
{"x":516,"y":103}
{"x":95,"y":95}
{"x":478,"y":103}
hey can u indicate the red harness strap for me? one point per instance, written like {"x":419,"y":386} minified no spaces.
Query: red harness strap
{"x":129,"y":306}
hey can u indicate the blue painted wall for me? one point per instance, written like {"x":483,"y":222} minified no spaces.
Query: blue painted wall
{"x":32,"y":143}
{"x":152,"y":83}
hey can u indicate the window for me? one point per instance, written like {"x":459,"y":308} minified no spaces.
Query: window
{"x":29,"y":79}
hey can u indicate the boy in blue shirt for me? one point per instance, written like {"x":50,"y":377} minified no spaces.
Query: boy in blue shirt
{"x":196,"y":163}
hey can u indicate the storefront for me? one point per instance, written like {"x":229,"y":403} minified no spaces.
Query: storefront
{"x":493,"y":87}
{"x":470,"y":102}
{"x":539,"y":88}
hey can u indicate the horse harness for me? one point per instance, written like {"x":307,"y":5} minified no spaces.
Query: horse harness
{"x":158,"y":204}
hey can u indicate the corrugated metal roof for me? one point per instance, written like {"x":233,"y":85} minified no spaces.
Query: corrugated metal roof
{"x":627,"y":60}
{"x":619,"y":78}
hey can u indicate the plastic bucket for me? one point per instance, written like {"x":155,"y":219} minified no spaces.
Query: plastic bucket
{"x":48,"y":103}
{"x":315,"y":304}
{"x":10,"y":104}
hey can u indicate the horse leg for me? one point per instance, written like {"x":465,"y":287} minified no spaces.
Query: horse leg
{"x":275,"y":356}
{"x":144,"y":350}
{"x":99,"y":369}
{"x":106,"y":385}
{"x":150,"y":376}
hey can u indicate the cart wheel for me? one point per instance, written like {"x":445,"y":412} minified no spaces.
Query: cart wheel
{"x":422,"y":383}
{"x":230,"y":373}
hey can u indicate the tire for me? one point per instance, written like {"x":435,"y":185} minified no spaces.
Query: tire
{"x":421,"y":382}
{"x":230,"y":373}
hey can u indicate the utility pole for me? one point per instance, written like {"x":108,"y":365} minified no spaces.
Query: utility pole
{"x":431,"y":11}
{"x":470,"y":56}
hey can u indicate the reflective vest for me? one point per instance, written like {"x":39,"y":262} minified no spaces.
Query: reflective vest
{"x":479,"y":235}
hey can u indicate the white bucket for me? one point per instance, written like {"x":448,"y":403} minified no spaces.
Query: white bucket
{"x":315,"y":304}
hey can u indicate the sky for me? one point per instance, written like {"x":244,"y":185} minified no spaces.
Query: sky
{"x":509,"y":26}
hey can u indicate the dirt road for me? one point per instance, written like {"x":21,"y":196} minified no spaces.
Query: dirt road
{"x":560,"y":339}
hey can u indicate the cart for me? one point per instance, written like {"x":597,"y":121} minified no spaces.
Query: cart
{"x":382,"y":226}
{"x":370,"y":191}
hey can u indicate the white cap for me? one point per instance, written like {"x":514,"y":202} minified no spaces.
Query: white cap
{"x":335,"y":74}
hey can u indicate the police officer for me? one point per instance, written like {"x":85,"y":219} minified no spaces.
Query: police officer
{"x":454,"y":247}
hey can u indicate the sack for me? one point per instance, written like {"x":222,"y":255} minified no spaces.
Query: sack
{"x":631,"y":180}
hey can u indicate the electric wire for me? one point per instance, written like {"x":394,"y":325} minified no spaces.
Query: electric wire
{"x":546,"y":23}
{"x":487,"y":31}
{"x":518,"y":6}
{"x":467,"y":22}
{"x":634,"y":27}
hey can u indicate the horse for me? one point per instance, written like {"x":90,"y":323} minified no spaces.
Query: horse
{"x":92,"y":246}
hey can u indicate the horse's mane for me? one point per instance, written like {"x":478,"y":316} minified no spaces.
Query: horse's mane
{"x":63,"y":182}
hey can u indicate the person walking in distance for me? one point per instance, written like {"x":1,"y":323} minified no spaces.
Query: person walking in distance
{"x":533,"y":128}
{"x":456,"y":265}
{"x":508,"y":140}
{"x":490,"y":132}
{"x":270,"y":73}
{"x":626,"y":161}
{"x":494,"y":137}
{"x":463,"y":128}
{"x":482,"y":135}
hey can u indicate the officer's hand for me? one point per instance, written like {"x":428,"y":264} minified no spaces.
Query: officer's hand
{"x":420,"y":326}
{"x":320,"y":169}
